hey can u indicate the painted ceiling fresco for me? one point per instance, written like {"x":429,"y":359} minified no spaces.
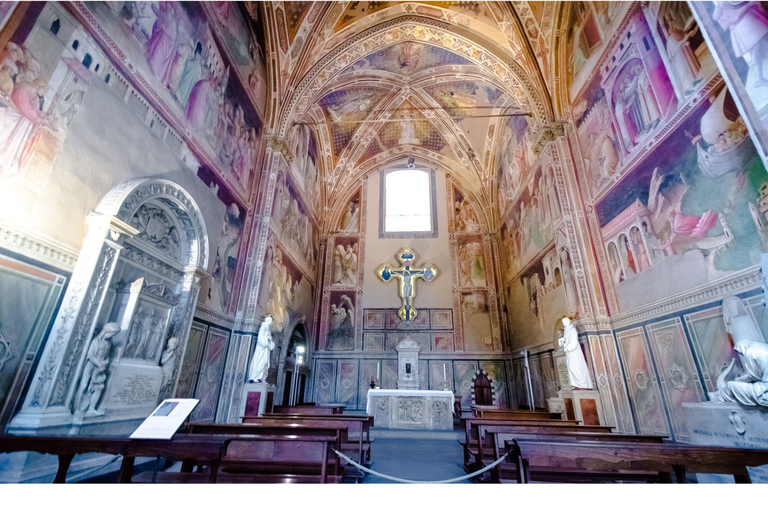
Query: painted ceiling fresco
{"x":380,"y":79}
{"x":408,"y":58}
{"x":294,"y":13}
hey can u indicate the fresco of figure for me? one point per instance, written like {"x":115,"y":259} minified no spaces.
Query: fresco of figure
{"x":161,"y":47}
{"x":350,"y":221}
{"x":341,"y":326}
{"x":747,"y":24}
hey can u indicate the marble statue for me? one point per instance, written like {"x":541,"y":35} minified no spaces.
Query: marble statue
{"x":95,"y":372}
{"x":168,"y":363}
{"x":752,"y":387}
{"x":578,"y":372}
{"x":264,"y":345}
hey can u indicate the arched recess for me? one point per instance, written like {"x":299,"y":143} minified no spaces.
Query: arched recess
{"x":297,"y":335}
{"x":140,"y":267}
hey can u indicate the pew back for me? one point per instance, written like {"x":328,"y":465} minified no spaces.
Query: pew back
{"x":559,"y":461}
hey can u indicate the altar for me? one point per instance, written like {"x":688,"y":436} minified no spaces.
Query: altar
{"x":411,"y":408}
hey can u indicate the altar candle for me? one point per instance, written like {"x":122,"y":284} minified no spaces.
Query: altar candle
{"x":444,"y":365}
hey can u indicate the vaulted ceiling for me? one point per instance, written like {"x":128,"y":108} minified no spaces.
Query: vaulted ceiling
{"x":382,"y":80}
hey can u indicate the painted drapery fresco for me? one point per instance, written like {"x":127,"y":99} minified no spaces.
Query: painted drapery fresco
{"x":689,"y":213}
{"x":245,"y":41}
{"x":514,"y":158}
{"x":738,"y":34}
{"x":303,"y":146}
{"x":292,"y":223}
{"x":174,"y":47}
{"x":623,"y":106}
{"x":532,"y":221}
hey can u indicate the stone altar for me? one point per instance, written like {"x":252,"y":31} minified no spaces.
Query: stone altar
{"x":411,"y":409}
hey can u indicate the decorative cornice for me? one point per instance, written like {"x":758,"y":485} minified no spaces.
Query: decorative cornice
{"x":37,"y":247}
{"x":204,"y":313}
{"x":745,"y":280}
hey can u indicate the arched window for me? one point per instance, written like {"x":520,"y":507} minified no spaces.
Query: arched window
{"x":408,"y":203}
{"x":55,"y":26}
{"x":106,"y":78}
{"x":87,"y":60}
{"x":75,"y":44}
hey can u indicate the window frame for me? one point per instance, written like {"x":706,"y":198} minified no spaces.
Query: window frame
{"x":383,"y":205}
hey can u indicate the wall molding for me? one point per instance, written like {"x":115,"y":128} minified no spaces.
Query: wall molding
{"x":38,"y":247}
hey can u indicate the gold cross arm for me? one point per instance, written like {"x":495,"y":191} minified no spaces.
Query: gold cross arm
{"x":406,"y":274}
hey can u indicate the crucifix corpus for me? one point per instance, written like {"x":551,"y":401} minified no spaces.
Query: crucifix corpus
{"x":407,"y":273}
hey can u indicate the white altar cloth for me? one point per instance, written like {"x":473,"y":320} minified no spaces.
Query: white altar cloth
{"x":411,"y":408}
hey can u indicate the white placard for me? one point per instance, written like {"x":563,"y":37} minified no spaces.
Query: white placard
{"x":166,"y":419}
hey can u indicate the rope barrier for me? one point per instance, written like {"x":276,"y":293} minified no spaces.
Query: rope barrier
{"x":405,"y":481}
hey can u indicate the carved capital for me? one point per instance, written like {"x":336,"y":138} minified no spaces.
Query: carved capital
{"x":548,"y":134}
{"x":279,"y":145}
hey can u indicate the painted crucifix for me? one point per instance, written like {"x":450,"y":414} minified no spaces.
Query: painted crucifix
{"x":407,"y":273}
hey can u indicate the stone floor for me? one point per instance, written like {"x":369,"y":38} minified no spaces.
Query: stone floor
{"x":416,"y":455}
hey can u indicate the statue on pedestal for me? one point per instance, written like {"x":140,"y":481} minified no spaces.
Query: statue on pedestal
{"x":264,"y":345}
{"x":95,"y":372}
{"x":168,"y":364}
{"x":752,"y":387}
{"x":578,"y":372}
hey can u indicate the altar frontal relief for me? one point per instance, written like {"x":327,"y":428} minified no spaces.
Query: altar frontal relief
{"x":690,"y":213}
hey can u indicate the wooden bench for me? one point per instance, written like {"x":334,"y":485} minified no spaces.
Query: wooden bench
{"x":502,"y":441}
{"x":261,"y":458}
{"x":335,"y":429}
{"x":470,"y":443}
{"x":508,"y":414}
{"x":604,"y":461}
{"x":181,"y":447}
{"x":359,"y":427}
{"x":307,"y":410}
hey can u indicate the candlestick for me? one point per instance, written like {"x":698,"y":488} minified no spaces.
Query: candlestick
{"x":444,"y":377}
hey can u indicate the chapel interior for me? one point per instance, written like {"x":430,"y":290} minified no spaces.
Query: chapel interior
{"x":547,"y":207}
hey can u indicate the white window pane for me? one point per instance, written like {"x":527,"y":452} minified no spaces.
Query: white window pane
{"x":408,"y":201}
{"x":408,"y":223}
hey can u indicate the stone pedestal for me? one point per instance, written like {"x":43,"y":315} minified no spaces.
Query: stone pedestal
{"x":583,"y":405}
{"x":256,"y":400}
{"x":408,"y":364}
{"x":731,"y":425}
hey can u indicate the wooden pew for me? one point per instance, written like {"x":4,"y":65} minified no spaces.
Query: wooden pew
{"x":603,"y":461}
{"x":265,"y":459}
{"x":181,"y":447}
{"x":307,"y":410}
{"x":508,"y":414}
{"x":502,"y":441}
{"x":359,"y":426}
{"x":471,"y":439}
{"x":335,"y":429}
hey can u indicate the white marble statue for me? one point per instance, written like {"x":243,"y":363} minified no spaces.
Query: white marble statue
{"x":264,"y":345}
{"x":168,"y":363}
{"x":752,"y":387}
{"x":578,"y":372}
{"x":95,"y":372}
